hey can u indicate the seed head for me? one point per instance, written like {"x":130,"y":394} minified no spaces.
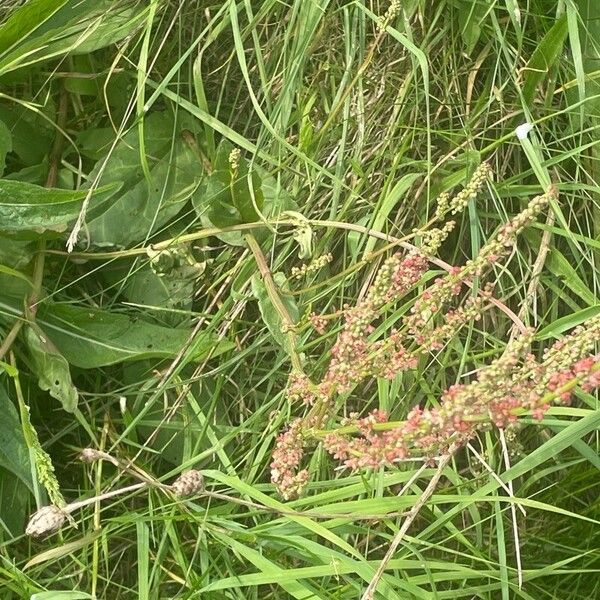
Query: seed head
{"x":188,"y":483}
{"x":89,"y":455}
{"x":45,"y":521}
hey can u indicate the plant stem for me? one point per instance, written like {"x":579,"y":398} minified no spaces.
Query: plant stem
{"x":10,"y":337}
{"x":69,"y":508}
{"x":287,"y":321}
{"x":204,"y":233}
{"x":38,"y":266}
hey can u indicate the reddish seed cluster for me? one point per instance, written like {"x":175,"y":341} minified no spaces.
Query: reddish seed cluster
{"x":301,"y":388}
{"x":287,"y":456}
{"x":584,"y":370}
{"x":354,"y":357}
{"x":445,"y":289}
{"x":514,"y":383}
{"x":433,"y":338}
{"x":502,"y":392}
{"x":318,"y":323}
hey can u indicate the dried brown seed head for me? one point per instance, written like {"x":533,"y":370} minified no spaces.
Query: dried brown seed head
{"x":45,"y":521}
{"x":189,"y":483}
{"x":89,"y":455}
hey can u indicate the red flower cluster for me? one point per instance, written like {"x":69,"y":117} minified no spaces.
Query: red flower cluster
{"x":511,"y":385}
{"x":287,"y":456}
{"x":506,"y":389}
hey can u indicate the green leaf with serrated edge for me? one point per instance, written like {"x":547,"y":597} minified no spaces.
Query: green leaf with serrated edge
{"x":90,"y":338}
{"x":51,"y":368}
{"x":143,"y":207}
{"x":14,"y":455}
{"x":25,"y":207}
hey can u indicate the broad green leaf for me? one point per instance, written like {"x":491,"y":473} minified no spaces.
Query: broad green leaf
{"x":26,"y":19}
{"x":144,"y":206}
{"x":51,"y":368}
{"x":44,"y":29}
{"x":269,"y":315}
{"x":25,"y":207}
{"x":14,"y":455}
{"x":14,"y":498}
{"x":115,"y":25}
{"x":470,"y":16}
{"x":31,"y":138}
{"x":543,"y":58}
{"x":90,"y":338}
{"x":166,"y":281}
{"x":229,"y":197}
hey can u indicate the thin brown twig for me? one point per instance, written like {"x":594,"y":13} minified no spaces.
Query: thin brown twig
{"x":408,"y":521}
{"x":286,"y":320}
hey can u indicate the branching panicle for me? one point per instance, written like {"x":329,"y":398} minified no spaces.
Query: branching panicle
{"x":512,"y":385}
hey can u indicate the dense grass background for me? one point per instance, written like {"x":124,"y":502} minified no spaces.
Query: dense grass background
{"x":346,"y":123}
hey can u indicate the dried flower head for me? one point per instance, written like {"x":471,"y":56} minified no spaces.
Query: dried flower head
{"x":189,"y":483}
{"x":89,"y":455}
{"x":45,"y":521}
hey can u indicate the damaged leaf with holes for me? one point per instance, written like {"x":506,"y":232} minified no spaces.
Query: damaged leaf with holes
{"x":51,"y":368}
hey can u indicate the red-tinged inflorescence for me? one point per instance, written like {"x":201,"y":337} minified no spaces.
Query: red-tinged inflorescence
{"x":506,"y":389}
{"x":514,"y":384}
{"x":287,"y":456}
{"x":318,"y":323}
{"x":354,"y":357}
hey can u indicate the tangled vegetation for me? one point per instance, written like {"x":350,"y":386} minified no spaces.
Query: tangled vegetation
{"x":299,"y":299}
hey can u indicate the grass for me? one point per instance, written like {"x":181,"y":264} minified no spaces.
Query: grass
{"x":359,"y":128}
